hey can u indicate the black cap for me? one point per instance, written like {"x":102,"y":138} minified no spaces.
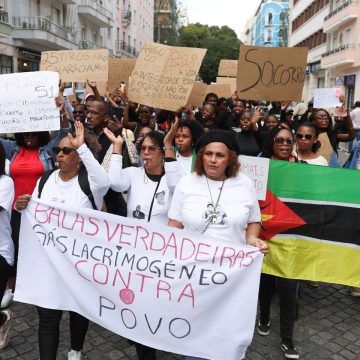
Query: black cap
{"x":227,"y":137}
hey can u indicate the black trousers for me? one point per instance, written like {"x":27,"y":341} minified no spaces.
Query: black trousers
{"x":48,"y":335}
{"x":15,"y":232}
{"x":5,"y":270}
{"x":288,"y":297}
{"x":144,"y":352}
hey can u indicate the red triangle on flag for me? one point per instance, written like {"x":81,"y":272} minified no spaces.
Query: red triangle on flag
{"x":277,"y":217}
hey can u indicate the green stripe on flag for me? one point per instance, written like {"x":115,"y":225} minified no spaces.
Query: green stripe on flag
{"x":311,"y":182}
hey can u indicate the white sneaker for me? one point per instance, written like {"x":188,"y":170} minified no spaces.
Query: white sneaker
{"x":7,"y":299}
{"x":5,"y":329}
{"x":74,"y":355}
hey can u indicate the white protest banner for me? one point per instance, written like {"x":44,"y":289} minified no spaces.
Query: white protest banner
{"x":156,"y":285}
{"x":27,"y":102}
{"x":257,"y":169}
{"x":163,"y":75}
{"x":327,"y":98}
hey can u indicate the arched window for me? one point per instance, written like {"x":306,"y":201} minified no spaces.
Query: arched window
{"x":268,"y":35}
{"x":269,"y":18}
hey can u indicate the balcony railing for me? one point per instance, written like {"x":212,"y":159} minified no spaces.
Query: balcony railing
{"x":338,"y":49}
{"x":97,"y":6}
{"x":40,"y":23}
{"x":86,"y":44}
{"x":123,"y":46}
{"x":4,"y":17}
{"x":341,"y":7}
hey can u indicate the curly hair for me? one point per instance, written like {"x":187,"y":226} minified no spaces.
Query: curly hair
{"x":43,"y":138}
{"x":231,"y":170}
{"x":195,"y":128}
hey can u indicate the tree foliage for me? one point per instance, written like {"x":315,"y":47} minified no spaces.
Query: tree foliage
{"x":221,"y":43}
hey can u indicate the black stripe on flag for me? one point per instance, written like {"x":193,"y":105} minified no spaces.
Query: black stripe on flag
{"x":327,"y":222}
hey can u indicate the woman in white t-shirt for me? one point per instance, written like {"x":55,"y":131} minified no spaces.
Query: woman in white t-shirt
{"x":216,"y":199}
{"x":6,"y":245}
{"x":74,"y":156}
{"x":149,"y":188}
{"x":307,"y":145}
{"x":187,"y":134}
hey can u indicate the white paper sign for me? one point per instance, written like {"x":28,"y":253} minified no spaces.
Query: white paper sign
{"x":27,"y":102}
{"x":160,"y":286}
{"x":257,"y":169}
{"x":326,"y":98}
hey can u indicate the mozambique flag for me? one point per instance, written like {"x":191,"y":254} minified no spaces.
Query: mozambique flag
{"x":311,"y":217}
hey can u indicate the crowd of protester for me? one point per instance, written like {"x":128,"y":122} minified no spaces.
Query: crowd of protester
{"x":166,"y":163}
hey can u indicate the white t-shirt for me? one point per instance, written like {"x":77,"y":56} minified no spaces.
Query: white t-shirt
{"x":6,"y":200}
{"x":320,"y":160}
{"x":69,"y":192}
{"x":238,"y":206}
{"x":355,"y":117}
{"x":185,"y":164}
{"x":141,"y":189}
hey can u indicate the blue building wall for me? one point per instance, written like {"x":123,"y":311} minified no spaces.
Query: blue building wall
{"x":271,"y":18}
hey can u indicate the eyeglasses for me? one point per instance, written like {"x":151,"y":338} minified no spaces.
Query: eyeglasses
{"x":322,"y":117}
{"x":281,"y":141}
{"x":150,"y":149}
{"x":304,"y":136}
{"x":66,"y":150}
{"x":92,"y":112}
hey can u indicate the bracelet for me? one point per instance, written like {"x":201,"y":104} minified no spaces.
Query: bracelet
{"x":170,"y":148}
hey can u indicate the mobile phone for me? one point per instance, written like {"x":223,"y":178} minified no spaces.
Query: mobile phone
{"x":118,"y":112}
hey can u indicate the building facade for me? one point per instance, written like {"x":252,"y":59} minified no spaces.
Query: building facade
{"x":271,"y":24}
{"x":166,"y":21}
{"x":28,"y":27}
{"x":306,"y":30}
{"x":341,"y":57}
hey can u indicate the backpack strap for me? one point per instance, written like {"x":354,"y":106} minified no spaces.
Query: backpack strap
{"x":85,"y":186}
{"x":83,"y":182}
{"x":43,"y":180}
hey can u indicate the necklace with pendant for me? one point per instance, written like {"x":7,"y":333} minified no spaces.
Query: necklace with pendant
{"x":212,"y":216}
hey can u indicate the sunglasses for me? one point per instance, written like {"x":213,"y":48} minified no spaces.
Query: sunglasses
{"x":304,"y":136}
{"x":66,"y":150}
{"x":150,"y":149}
{"x":281,"y":141}
{"x":322,"y":117}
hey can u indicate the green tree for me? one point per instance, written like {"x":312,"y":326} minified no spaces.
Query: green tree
{"x":221,"y":43}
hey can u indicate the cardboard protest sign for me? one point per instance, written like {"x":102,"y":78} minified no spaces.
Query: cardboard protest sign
{"x":199,"y":91}
{"x":227,"y":80}
{"x":221,"y":90}
{"x":119,"y":70}
{"x":228,"y":68}
{"x":257,"y":169}
{"x":156,"y":285}
{"x":163,"y":75}
{"x":27,"y":102}
{"x":197,"y":94}
{"x":77,"y":65}
{"x":327,"y":98}
{"x":273,"y":74}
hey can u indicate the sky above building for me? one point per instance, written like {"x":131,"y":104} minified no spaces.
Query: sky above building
{"x":233,"y":13}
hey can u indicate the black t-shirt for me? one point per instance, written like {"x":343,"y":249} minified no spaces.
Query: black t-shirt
{"x":248,"y":143}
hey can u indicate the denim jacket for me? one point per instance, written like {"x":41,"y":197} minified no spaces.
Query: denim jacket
{"x":46,"y":154}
